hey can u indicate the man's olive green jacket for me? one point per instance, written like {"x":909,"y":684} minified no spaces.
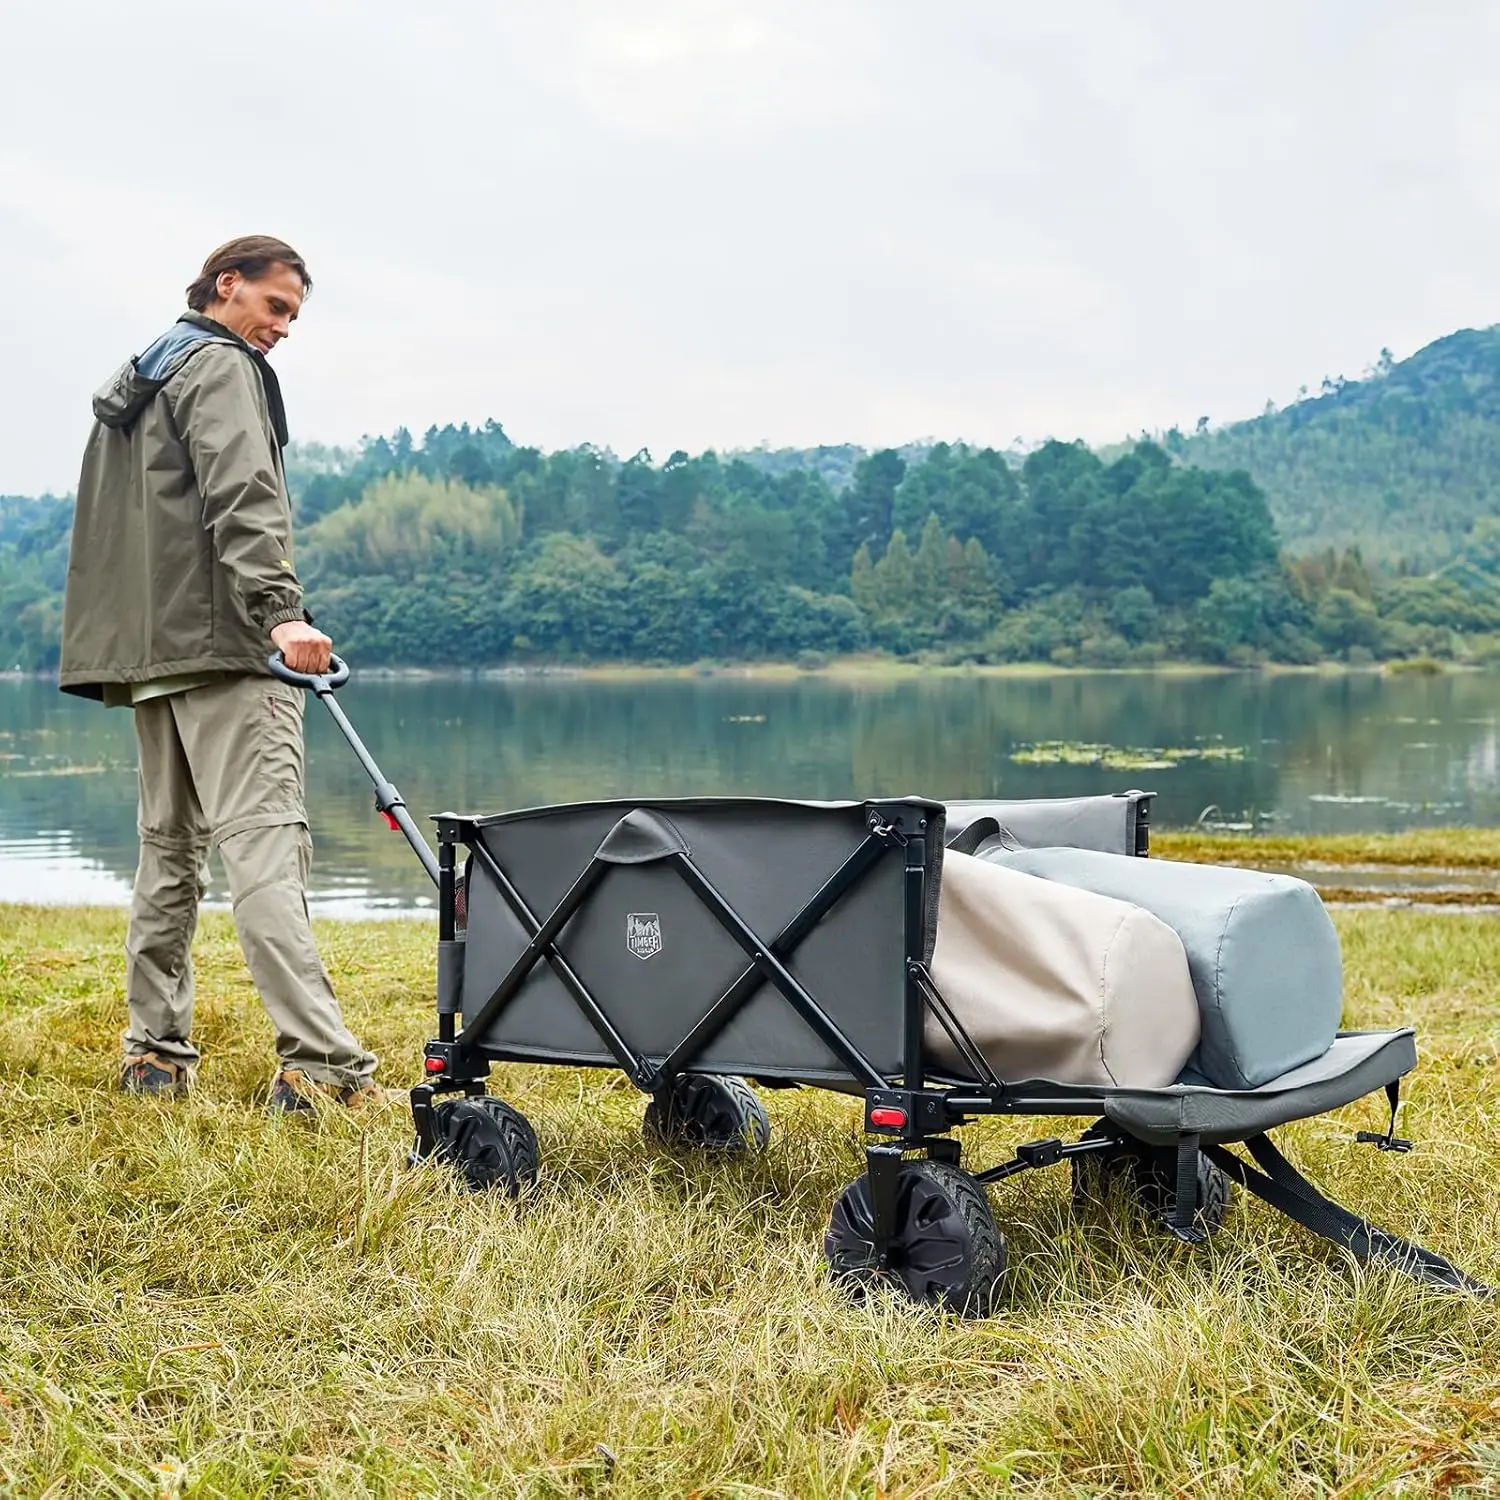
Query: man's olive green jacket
{"x":181,"y":558}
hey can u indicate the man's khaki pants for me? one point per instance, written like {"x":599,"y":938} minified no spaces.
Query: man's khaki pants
{"x":222,"y":766}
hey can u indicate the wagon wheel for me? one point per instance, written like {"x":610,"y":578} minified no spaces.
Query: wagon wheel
{"x":1150,"y":1173}
{"x":946,"y":1250}
{"x":490,"y":1145}
{"x":709,"y":1111}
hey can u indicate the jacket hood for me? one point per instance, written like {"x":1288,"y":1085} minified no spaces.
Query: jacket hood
{"x":127,"y":393}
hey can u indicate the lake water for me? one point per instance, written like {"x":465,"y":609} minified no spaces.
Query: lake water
{"x":1293,"y":753}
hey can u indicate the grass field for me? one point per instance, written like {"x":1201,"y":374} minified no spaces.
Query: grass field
{"x":200,"y":1300}
{"x":1417,"y":848}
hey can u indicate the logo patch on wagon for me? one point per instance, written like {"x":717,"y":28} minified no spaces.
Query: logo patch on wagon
{"x":643,"y":934}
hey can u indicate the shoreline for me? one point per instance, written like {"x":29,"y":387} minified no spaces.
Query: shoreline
{"x":863,"y":668}
{"x":1450,"y":871}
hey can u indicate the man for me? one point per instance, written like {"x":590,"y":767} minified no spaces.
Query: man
{"x":180,"y":584}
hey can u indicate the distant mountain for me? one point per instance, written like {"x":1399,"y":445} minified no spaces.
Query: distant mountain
{"x":1400,"y":463}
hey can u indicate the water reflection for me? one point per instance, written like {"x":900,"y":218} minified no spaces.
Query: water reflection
{"x":1317,"y":754}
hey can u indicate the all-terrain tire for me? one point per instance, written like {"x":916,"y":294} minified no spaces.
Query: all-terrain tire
{"x":1150,"y":1175}
{"x":946,"y":1251}
{"x":709,"y":1112}
{"x":490,"y":1144}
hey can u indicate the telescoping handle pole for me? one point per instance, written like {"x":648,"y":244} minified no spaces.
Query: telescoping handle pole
{"x":388,"y":801}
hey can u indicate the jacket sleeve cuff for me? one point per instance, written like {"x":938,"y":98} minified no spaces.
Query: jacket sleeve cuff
{"x":283,"y":617}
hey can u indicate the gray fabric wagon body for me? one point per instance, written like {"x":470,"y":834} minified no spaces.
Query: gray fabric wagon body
{"x":645,"y":944}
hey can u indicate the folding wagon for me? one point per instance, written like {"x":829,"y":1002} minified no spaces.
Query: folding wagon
{"x":697,"y":943}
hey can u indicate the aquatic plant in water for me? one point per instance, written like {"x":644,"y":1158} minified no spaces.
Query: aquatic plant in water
{"x":1119,"y":757}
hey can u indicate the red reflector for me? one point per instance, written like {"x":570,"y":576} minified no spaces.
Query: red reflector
{"x":390,"y":822}
{"x":434,"y":1065}
{"x":896,"y":1117}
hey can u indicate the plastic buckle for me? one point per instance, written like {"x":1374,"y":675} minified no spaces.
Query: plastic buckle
{"x":1386,"y":1142}
{"x":1390,"y":1141}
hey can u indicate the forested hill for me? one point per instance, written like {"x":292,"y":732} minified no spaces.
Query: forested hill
{"x":464,"y":549}
{"x":1358,"y":524}
{"x":1400,"y":463}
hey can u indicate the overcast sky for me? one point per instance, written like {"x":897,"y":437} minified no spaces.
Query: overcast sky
{"x":687,"y":223}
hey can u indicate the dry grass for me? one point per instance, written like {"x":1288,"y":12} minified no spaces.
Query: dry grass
{"x":200,"y":1300}
{"x":1432,"y":848}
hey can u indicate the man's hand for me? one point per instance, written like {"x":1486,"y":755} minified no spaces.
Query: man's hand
{"x":302,"y":648}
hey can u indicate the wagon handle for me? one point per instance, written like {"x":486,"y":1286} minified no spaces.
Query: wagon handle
{"x":315,"y":682}
{"x":388,"y":801}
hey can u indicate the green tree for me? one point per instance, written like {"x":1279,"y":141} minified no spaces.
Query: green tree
{"x":638,"y":495}
{"x":896,"y":579}
{"x":862,"y":586}
{"x":566,"y":598}
{"x":974,"y":579}
{"x":1064,"y":482}
{"x":408,"y":525}
{"x":973,"y":493}
{"x":930,"y":594}
{"x":1132,"y":613}
{"x":1399,"y":464}
{"x":1351,"y":574}
{"x":870,"y":503}
{"x":1344,"y":621}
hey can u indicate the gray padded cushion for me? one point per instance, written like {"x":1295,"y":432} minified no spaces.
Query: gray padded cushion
{"x":1262,"y":950}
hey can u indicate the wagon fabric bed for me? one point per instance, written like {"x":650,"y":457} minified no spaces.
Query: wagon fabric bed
{"x":697,"y":943}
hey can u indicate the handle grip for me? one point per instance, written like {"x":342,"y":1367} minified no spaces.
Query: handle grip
{"x":314,"y":682}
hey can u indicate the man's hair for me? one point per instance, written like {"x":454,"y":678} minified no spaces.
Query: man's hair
{"x":252,"y":255}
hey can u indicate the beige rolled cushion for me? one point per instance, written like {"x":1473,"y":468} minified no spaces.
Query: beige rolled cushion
{"x":1054,"y":982}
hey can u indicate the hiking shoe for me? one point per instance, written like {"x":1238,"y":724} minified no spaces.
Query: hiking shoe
{"x":294,"y":1091}
{"x":148,"y":1073}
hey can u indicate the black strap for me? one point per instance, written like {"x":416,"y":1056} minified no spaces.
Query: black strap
{"x":968,"y":839}
{"x":274,"y":403}
{"x":1390,"y":1141}
{"x":1182,"y":1220}
{"x":1281,"y":1185}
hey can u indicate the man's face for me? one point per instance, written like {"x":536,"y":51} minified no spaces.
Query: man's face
{"x":261,"y":311}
